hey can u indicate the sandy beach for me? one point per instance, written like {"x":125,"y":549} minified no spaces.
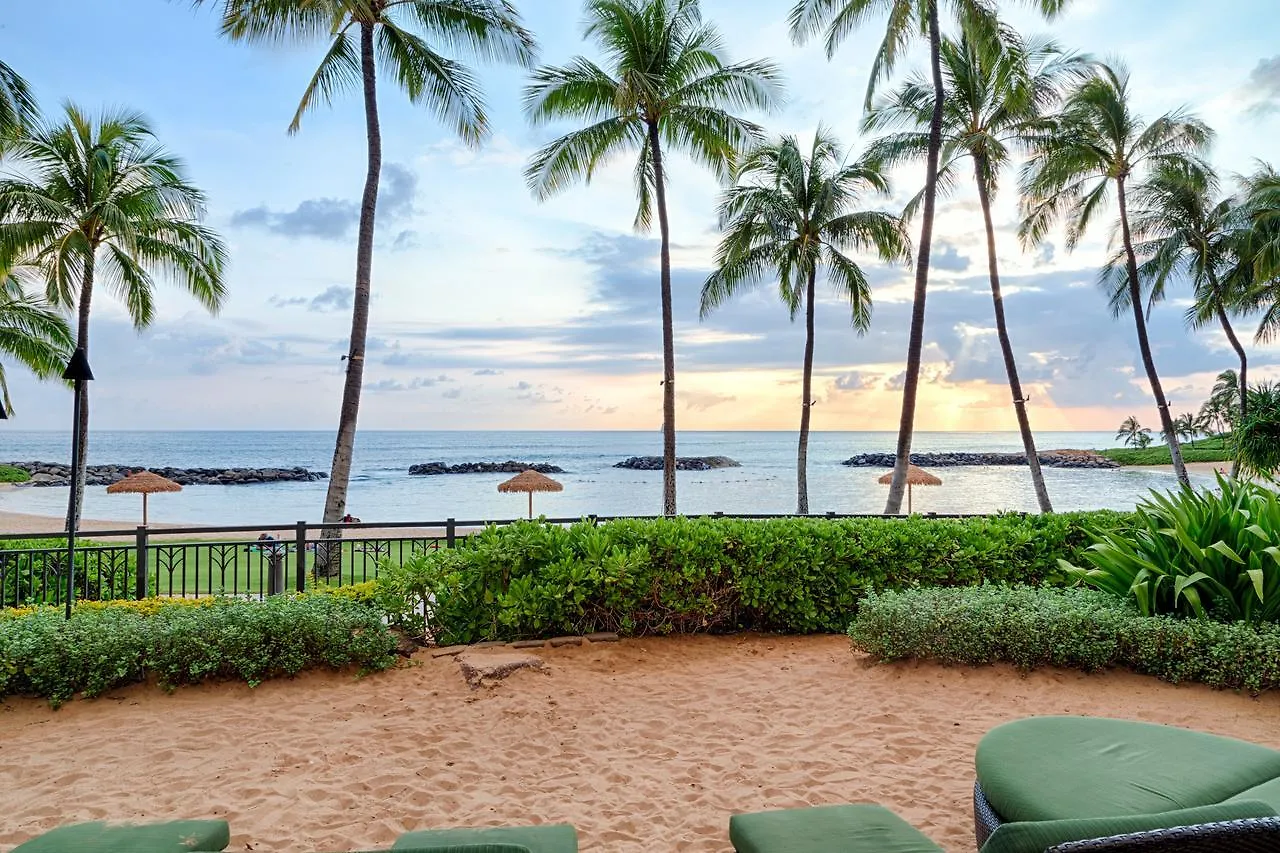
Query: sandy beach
{"x":644,"y":745}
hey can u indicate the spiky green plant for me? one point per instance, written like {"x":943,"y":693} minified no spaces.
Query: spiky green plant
{"x":1195,"y":553}
{"x":1256,"y":437}
{"x":791,"y":216}
{"x":664,"y":85}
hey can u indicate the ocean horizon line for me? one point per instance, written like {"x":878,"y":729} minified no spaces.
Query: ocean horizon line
{"x":544,"y":431}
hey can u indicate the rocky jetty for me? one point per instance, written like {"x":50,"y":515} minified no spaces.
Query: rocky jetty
{"x":431,"y":469}
{"x":1048,"y":459}
{"x":56,"y":474}
{"x":683,"y":463}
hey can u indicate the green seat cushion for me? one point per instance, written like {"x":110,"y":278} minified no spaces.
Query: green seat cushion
{"x":1038,"y":836}
{"x":861,"y":828}
{"x":179,"y":836}
{"x":551,"y":838}
{"x":1063,"y":768}
{"x":1267,"y":792}
{"x":463,"y":848}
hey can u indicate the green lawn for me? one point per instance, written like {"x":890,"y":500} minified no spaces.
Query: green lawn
{"x":1213,"y":449}
{"x":9,"y":474}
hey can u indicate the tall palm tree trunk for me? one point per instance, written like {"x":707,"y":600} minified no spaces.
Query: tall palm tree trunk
{"x":915,"y":341}
{"x":1006,"y":347}
{"x":1144,"y":345}
{"x":1240,"y":353}
{"x":668,"y":335}
{"x":75,"y":500}
{"x":806,"y":406}
{"x":340,"y":473}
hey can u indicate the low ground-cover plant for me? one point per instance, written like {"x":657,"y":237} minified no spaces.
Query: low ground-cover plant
{"x":1194,"y":552}
{"x":181,"y":642}
{"x":1078,"y":628}
{"x":683,"y":575}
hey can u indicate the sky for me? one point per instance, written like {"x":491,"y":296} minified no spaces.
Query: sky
{"x":493,"y":311}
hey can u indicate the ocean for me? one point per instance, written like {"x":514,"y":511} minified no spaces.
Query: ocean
{"x":382,"y":490}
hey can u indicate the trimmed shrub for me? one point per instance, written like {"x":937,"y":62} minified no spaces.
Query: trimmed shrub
{"x":1077,"y":628}
{"x":683,"y":575}
{"x":103,"y":647}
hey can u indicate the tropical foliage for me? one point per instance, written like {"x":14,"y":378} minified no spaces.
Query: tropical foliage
{"x":1194,"y":553}
{"x":664,"y":85}
{"x":1098,"y":145}
{"x":792,"y":216}
{"x":404,"y":40}
{"x":17,"y":106}
{"x":32,"y":335}
{"x":98,"y":201}
{"x":1256,"y":438}
{"x":1133,"y":433}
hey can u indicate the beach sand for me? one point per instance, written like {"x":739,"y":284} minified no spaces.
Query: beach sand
{"x":644,"y":745}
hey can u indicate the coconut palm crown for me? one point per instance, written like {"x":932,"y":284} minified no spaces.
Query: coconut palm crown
{"x":33,"y":335}
{"x":791,"y":216}
{"x":664,"y":84}
{"x":97,"y":201}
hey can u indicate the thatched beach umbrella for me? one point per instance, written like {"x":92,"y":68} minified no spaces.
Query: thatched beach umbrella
{"x":143,"y":483}
{"x":915,"y":477}
{"x":530,"y":481}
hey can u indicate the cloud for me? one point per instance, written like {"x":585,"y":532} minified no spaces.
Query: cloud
{"x":896,"y":383}
{"x":415,"y":384}
{"x":856,"y":381}
{"x":336,"y":298}
{"x":701,"y":401}
{"x":287,"y":302}
{"x":1263,"y":88}
{"x":522,"y":386}
{"x":948,"y":257}
{"x":406,"y":240}
{"x":488,"y":371}
{"x":335,"y":218}
{"x":452,"y":394}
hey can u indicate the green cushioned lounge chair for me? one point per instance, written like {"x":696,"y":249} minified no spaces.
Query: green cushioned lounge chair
{"x":179,"y":836}
{"x":857,"y":828}
{"x":550,"y":838}
{"x":1088,"y":784}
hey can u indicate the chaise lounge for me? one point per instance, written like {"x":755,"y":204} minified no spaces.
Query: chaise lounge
{"x":1087,"y":784}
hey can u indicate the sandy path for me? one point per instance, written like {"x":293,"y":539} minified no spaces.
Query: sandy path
{"x":644,"y":745}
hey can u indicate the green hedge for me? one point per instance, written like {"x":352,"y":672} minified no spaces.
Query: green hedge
{"x":43,"y":654}
{"x":684,"y":575}
{"x":1212,"y":449}
{"x":1076,"y":628}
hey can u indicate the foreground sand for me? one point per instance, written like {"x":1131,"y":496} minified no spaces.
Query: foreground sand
{"x":644,"y":745}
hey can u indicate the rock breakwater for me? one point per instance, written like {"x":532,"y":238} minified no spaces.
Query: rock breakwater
{"x":431,"y":469}
{"x":57,"y":474}
{"x":683,"y":463}
{"x":1048,"y":459}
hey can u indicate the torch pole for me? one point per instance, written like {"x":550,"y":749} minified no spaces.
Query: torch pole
{"x":74,"y":515}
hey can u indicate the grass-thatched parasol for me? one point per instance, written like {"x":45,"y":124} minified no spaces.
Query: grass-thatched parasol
{"x":530,"y":481}
{"x":915,"y":477}
{"x":143,"y":483}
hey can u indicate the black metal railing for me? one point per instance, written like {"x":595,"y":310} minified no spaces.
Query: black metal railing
{"x":249,"y":561}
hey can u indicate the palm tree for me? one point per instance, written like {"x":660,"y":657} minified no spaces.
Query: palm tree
{"x":665,"y":85}
{"x":17,"y":106}
{"x":1133,"y":433}
{"x":993,"y":103}
{"x":1256,"y":440}
{"x":1101,"y":142}
{"x":836,"y":19}
{"x":791,"y":216}
{"x":99,"y":200}
{"x":1261,"y":206}
{"x":33,"y":335}
{"x":403,"y":37}
{"x":1182,"y":228}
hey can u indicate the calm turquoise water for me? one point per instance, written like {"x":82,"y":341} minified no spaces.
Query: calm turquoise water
{"x":381,"y":489}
